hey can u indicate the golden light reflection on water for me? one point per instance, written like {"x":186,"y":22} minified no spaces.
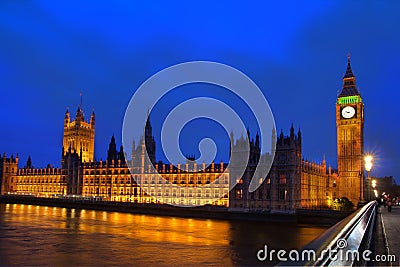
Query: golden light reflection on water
{"x":143,"y":239}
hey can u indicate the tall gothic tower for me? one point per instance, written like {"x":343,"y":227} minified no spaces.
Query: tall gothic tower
{"x":79,"y":135}
{"x":350,"y":138}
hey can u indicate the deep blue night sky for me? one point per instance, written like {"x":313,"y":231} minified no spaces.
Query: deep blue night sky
{"x":296,"y":53}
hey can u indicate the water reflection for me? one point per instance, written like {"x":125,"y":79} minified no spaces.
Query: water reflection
{"x":35,"y":235}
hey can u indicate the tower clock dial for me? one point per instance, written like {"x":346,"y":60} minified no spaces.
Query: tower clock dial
{"x":348,"y":112}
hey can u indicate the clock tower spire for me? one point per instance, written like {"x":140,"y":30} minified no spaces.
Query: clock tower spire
{"x":350,"y":138}
{"x":349,"y":82}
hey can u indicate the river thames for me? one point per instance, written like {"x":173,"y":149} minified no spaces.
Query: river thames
{"x":40,"y":235}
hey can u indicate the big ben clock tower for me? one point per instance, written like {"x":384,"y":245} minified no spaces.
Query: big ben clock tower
{"x":350,"y":138}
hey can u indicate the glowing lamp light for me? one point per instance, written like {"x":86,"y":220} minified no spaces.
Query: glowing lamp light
{"x":368,"y":162}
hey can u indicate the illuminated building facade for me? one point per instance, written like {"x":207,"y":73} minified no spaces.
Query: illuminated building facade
{"x":292,"y":182}
{"x":183,"y":185}
{"x":350,"y":138}
{"x":8,"y":169}
{"x":111,"y":179}
{"x":79,"y":134}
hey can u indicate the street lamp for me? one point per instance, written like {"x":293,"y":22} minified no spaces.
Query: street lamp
{"x":368,"y":166}
{"x":374,"y":187}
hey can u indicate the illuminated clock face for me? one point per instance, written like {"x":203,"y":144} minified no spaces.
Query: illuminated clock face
{"x":348,"y":112}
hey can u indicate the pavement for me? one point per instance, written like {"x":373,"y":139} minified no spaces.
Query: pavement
{"x":391,"y":231}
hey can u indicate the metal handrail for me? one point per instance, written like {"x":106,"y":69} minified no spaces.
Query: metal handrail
{"x":351,"y":234}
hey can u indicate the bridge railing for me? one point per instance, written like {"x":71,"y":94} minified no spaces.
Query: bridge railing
{"x":344,"y":243}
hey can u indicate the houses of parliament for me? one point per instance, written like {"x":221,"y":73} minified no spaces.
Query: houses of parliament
{"x":292,"y":182}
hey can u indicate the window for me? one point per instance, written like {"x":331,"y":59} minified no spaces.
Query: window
{"x":216,"y":193}
{"x":268,"y":193}
{"x":282,"y":179}
{"x":239,"y":193}
{"x":282,"y":194}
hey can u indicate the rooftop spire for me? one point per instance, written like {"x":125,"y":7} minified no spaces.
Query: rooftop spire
{"x":79,"y":113}
{"x":349,"y":81}
{"x":349,"y":71}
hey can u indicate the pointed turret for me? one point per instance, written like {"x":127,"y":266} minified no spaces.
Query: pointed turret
{"x":67,"y":118}
{"x":232,"y":138}
{"x":29,"y":162}
{"x":349,"y":71}
{"x":149,"y":141}
{"x":148,"y":128}
{"x":257,"y":143}
{"x":112,"y":150}
{"x":93,"y":119}
{"x":299,"y":136}
{"x":292,"y":132}
{"x":349,"y":82}
{"x":273,"y":141}
{"x":121,"y":154}
{"x":79,"y":115}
